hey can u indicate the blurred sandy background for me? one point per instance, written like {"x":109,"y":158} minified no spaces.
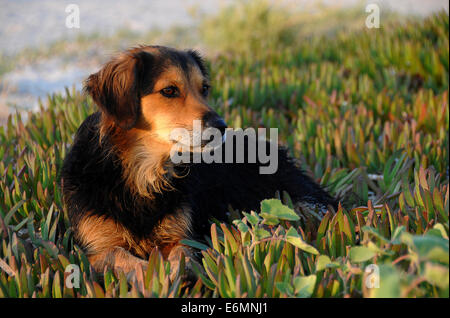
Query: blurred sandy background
{"x":39,"y":55}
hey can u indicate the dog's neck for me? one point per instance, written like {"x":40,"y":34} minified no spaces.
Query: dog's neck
{"x":147,"y":168}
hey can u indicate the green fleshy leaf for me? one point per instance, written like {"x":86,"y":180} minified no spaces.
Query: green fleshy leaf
{"x":294,"y":238}
{"x":388,"y":286}
{"x":324,"y":262}
{"x":285,"y":288}
{"x":194,"y":244}
{"x":359,"y":254}
{"x":275,"y":208}
{"x":304,"y":285}
{"x":437,"y":275}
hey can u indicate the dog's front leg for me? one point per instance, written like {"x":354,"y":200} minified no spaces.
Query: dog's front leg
{"x":168,"y":235}
{"x":104,"y":241}
{"x":118,"y":259}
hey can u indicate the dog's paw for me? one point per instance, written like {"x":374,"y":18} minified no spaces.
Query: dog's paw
{"x":175,"y":259}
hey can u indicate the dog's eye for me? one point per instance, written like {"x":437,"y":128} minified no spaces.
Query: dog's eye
{"x":170,"y":91}
{"x":205,"y":90}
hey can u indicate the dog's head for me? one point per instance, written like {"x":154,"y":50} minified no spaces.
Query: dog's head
{"x":145,"y":94}
{"x":154,"y":89}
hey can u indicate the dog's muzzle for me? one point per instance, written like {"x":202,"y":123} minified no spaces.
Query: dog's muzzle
{"x":213,"y":120}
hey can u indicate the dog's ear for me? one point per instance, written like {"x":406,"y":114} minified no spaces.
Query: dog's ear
{"x":116,"y":88}
{"x":199,"y":61}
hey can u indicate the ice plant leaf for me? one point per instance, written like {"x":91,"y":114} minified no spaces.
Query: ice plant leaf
{"x":294,"y":238}
{"x":360,"y":254}
{"x":275,"y":208}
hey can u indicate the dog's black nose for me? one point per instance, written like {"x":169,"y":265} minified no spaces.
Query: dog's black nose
{"x":221,"y":125}
{"x":214,"y":121}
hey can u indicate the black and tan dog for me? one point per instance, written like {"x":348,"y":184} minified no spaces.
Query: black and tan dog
{"x":123,"y":193}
